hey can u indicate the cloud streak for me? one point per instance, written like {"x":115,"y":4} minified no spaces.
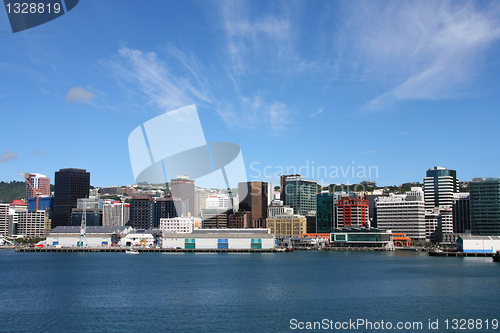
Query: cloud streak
{"x":425,"y":52}
{"x":9,"y":155}
{"x":254,"y":36}
{"x":316,"y":113}
{"x":254,"y":113}
{"x":79,"y":94}
{"x":156,"y":78}
{"x":179,"y":79}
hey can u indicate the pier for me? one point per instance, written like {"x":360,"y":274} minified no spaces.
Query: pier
{"x":458,"y":254}
{"x":141,"y":250}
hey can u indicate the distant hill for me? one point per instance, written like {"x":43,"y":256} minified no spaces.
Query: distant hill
{"x":11,"y":191}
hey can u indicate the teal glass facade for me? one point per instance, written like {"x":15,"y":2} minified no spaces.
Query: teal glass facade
{"x":325,"y":213}
{"x":485,"y":207}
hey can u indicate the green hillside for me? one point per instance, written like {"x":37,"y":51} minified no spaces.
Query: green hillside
{"x":11,"y":191}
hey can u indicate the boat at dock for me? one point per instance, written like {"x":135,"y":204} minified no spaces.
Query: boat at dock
{"x":131,"y":252}
{"x":496,"y":256}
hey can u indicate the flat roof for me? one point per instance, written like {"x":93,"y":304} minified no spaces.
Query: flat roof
{"x":89,"y":230}
{"x":218,"y":235}
{"x":475,"y":237}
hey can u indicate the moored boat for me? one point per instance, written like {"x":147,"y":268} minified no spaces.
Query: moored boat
{"x":496,"y":256}
{"x":131,"y":252}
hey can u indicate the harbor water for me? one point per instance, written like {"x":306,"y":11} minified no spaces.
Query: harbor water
{"x":247,"y":292}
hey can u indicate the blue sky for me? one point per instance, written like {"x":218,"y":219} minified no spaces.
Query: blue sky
{"x":396,"y":85}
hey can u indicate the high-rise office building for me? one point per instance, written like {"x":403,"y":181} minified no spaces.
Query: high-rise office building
{"x":141,"y":212}
{"x":215,"y":218}
{"x":299,"y":193}
{"x":461,"y":212}
{"x":277,"y":208}
{"x":183,"y":188}
{"x":439,"y":186}
{"x":70,"y":184}
{"x":6,"y":220}
{"x":200,"y":201}
{"x":485,"y":206}
{"x":403,"y":214}
{"x":254,"y":199}
{"x":32,"y":224}
{"x":40,"y":182}
{"x":372,"y":208}
{"x":93,"y":216}
{"x":325,"y":214}
{"x":351,"y":212}
{"x":438,"y":223}
{"x":167,"y":208}
{"x":115,"y":214}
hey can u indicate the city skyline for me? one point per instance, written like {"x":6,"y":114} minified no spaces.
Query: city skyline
{"x":324,"y":84}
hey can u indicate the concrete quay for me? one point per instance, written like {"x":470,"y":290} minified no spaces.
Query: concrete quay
{"x":140,"y":250}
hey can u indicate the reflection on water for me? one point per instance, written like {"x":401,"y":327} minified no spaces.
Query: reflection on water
{"x":237,"y":292}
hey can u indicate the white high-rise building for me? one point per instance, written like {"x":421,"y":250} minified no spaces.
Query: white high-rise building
{"x":219,"y":201}
{"x":275,"y":210}
{"x":115,"y":214}
{"x":438,"y":221}
{"x":6,"y":219}
{"x":439,"y":186}
{"x":403,"y":214}
{"x":32,"y":224}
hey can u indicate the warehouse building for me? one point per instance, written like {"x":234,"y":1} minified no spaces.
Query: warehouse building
{"x":478,"y":244}
{"x":69,"y":236}
{"x":238,"y":239}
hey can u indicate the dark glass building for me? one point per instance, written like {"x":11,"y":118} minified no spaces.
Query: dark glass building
{"x":215,"y":218}
{"x":167,"y":208}
{"x":461,"y":213}
{"x":141,"y":212}
{"x":485,"y":206}
{"x":93,"y":217}
{"x":325,"y":214}
{"x":70,"y":185}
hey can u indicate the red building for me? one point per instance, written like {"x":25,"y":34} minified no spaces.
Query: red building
{"x":351,"y":212}
{"x":40,"y":182}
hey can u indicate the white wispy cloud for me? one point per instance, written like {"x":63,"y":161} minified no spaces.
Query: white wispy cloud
{"x":176,"y":79}
{"x":254,"y":36}
{"x":156,"y":78}
{"x":420,"y":50}
{"x":9,"y":155}
{"x":79,"y":94}
{"x":254,"y":113}
{"x":316,"y":113}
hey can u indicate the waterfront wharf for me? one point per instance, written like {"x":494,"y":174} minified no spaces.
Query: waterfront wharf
{"x":123,"y":249}
{"x":458,"y":254}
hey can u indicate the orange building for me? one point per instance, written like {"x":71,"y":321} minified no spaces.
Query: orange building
{"x":352,"y":212}
{"x":320,"y":235}
{"x":401,"y":240}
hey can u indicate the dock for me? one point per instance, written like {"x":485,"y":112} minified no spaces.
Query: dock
{"x":458,"y":254}
{"x":141,"y":250}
